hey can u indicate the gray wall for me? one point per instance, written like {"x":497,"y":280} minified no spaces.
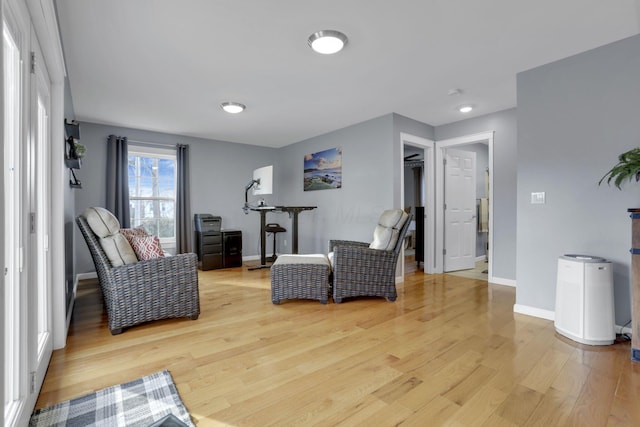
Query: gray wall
{"x":367,"y":185}
{"x":219,"y":173}
{"x":574,"y":117}
{"x":505,"y":155}
{"x":371,"y":168}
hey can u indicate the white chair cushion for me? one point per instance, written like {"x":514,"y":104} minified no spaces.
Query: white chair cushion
{"x":106,"y":226}
{"x":392,"y":218}
{"x":385,"y":235}
{"x":118,"y":250}
{"x":102,"y":222}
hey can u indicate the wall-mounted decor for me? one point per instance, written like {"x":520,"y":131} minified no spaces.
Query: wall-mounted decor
{"x":74,"y":151}
{"x":323,"y":170}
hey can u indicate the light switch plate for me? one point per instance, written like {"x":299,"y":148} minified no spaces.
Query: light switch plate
{"x":538,"y":198}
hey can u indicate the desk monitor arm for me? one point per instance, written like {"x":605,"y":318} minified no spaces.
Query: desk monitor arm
{"x":246,"y":194}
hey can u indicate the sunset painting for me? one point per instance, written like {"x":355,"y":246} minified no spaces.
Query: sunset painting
{"x":323,"y":170}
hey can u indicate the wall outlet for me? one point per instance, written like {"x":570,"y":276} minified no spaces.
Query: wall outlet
{"x":285,"y":242}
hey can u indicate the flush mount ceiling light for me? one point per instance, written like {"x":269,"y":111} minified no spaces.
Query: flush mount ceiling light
{"x":327,"y":41}
{"x":465,"y":108}
{"x":233,"y":107}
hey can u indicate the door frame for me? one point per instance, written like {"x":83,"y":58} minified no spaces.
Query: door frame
{"x":482,"y":137}
{"x":429,"y":194}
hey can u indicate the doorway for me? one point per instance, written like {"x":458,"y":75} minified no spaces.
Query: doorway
{"x":417,"y":192}
{"x":482,"y":145}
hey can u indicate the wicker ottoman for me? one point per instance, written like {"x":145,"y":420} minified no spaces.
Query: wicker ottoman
{"x":300,"y":276}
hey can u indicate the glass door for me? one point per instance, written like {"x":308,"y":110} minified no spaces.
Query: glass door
{"x":27,"y":323}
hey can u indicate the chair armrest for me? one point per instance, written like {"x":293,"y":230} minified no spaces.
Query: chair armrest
{"x":161,"y":271}
{"x":334,"y":243}
{"x":361,"y":254}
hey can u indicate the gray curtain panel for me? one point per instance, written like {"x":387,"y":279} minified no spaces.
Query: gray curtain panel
{"x":183,"y":201}
{"x":118,"y":179}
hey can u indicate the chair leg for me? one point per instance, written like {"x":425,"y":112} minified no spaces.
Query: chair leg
{"x":116,"y":331}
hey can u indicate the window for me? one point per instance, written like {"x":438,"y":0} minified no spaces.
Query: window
{"x":152,"y":192}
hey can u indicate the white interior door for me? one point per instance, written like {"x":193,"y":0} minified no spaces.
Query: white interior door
{"x":459,"y":210}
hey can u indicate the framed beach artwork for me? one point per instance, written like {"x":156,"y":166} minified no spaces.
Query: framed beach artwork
{"x":323,"y":170}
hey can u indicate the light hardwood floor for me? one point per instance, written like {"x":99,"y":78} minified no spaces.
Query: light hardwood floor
{"x":449,"y":351}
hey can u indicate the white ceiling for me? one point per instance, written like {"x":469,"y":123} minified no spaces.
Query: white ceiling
{"x":166,"y":65}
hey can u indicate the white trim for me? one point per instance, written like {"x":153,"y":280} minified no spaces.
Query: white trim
{"x":141,"y":150}
{"x":550,"y":315}
{"x":85,"y":276}
{"x":429,"y":194}
{"x":57,"y":240}
{"x":45,"y":23}
{"x":534,"y":312}
{"x":481,"y":258}
{"x":439,"y":192}
{"x":502,"y":281}
{"x":251,"y":258}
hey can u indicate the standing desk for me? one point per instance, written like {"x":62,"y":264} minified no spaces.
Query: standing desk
{"x":293,"y":214}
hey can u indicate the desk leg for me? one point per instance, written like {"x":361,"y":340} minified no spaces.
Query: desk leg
{"x":263,"y":242}
{"x":295,"y":233}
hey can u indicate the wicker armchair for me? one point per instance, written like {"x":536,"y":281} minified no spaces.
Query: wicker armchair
{"x":361,"y":271}
{"x":154,"y":289}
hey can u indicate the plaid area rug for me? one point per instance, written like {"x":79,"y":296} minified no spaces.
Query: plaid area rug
{"x":141,"y":402}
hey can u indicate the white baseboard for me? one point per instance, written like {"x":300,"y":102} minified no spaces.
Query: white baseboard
{"x":501,"y":281}
{"x":535,"y":312}
{"x":85,"y":276}
{"x":251,"y":258}
{"x":550,"y":315}
{"x":481,"y":258}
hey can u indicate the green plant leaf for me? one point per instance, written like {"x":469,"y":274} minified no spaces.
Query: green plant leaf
{"x":628,"y":168}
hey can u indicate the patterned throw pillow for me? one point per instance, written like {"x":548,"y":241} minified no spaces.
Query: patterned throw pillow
{"x":146,"y":247}
{"x":130,"y":233}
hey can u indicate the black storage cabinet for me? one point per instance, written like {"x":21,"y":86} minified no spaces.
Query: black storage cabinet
{"x":208,"y":237}
{"x":231,"y":248}
{"x":209,"y":249}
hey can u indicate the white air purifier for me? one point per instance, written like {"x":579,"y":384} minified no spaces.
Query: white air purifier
{"x":584,"y":300}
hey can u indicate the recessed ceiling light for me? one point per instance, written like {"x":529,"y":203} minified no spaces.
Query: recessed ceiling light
{"x":327,"y":41}
{"x":465,"y":108}
{"x":233,"y":107}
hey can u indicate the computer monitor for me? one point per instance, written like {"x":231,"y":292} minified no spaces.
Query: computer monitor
{"x":263,"y":178}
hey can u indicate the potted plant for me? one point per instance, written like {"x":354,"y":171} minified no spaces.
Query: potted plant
{"x":628,"y":168}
